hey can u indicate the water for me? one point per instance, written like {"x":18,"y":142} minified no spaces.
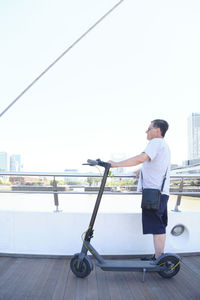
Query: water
{"x":85,"y":203}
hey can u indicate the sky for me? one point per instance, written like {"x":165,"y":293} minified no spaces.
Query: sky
{"x":141,"y":63}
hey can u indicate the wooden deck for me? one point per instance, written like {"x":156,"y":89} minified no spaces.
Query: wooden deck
{"x":46,"y":279}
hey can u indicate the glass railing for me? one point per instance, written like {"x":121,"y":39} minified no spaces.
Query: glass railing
{"x":64,"y":183}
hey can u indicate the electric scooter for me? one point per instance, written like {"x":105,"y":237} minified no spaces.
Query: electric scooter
{"x":167,"y":265}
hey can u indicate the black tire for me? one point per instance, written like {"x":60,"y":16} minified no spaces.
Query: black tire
{"x":82,"y":269}
{"x":172,"y":265}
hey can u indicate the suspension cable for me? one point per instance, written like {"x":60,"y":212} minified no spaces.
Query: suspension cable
{"x":59,"y":57}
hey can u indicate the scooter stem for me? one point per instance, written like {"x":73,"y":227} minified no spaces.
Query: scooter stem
{"x":98,"y":200}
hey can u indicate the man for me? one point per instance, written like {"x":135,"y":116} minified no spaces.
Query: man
{"x":155,"y":160}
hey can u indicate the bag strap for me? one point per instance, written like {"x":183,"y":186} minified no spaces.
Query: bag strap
{"x":163,"y":183}
{"x":142,"y":179}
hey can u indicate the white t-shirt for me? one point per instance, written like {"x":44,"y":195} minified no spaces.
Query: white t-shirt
{"x":154,"y":170}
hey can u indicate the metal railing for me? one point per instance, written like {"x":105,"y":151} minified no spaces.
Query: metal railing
{"x":56,"y":190}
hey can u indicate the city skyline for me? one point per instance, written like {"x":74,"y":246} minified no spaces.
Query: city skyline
{"x":194,"y":136}
{"x":13,"y":161}
{"x":3,"y":161}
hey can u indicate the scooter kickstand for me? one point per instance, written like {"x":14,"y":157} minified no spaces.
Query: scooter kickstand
{"x":143,"y":274}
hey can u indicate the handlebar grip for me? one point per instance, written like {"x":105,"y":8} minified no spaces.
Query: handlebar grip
{"x":98,"y":162}
{"x":92,"y":162}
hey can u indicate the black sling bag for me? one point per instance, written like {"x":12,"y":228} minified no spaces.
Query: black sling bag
{"x":151,"y":197}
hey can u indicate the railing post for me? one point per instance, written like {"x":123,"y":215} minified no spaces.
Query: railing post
{"x":178,"y":201}
{"x":55,"y":190}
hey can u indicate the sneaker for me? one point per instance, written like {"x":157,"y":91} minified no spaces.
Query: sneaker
{"x":156,"y":260}
{"x":149,"y":258}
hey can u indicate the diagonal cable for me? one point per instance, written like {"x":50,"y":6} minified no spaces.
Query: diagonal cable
{"x":59,"y":57}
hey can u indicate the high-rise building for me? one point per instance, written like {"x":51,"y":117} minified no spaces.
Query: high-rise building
{"x":194,"y":136}
{"x":3,"y":161}
{"x":15,"y":163}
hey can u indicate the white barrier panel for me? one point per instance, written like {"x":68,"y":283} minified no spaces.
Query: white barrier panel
{"x":49,"y":233}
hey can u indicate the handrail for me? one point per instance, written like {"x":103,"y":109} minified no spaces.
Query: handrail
{"x":55,"y":189}
{"x":64,"y":174}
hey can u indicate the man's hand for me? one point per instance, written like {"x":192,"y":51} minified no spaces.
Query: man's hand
{"x":137,"y":173}
{"x":113,"y":164}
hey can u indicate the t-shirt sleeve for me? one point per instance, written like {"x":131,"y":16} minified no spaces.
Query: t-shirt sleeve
{"x":152,"y":148}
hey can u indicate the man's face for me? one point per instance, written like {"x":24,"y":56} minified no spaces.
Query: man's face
{"x":153,"y":132}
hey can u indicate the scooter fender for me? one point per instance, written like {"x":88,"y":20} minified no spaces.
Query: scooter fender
{"x":82,"y":256}
{"x":168,"y":254}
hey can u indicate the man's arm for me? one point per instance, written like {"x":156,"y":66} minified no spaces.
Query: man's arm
{"x":130,"y":162}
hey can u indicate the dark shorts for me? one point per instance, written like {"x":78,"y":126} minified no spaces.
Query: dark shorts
{"x":155,"y":221}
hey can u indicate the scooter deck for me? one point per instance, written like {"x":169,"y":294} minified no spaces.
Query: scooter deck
{"x":129,"y":265}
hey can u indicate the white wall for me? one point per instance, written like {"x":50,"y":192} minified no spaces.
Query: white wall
{"x":120,"y":233}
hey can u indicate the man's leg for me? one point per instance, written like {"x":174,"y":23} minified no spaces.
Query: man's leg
{"x":159,"y":244}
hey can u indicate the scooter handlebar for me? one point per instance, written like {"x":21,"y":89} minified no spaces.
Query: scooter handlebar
{"x":98,"y":162}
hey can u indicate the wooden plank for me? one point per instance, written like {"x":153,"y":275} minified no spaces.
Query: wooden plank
{"x":52,"y":279}
{"x":113,"y":286}
{"x":102,"y":285}
{"x":26,"y":283}
{"x":193,"y":263}
{"x":60,"y":288}
{"x":196,"y":260}
{"x":164,"y":288}
{"x":140,"y":290}
{"x":123,"y":287}
{"x":92,"y":285}
{"x":82,"y":289}
{"x":5,"y":264}
{"x":70,"y":288}
{"x":189,"y":282}
{"x":10,"y":278}
{"x":42,"y":277}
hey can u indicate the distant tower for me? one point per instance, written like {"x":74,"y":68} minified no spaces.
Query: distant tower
{"x":15,"y":163}
{"x":194,"y":136}
{"x":3,"y":161}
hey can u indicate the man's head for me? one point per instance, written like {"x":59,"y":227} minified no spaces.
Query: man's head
{"x":157,"y":129}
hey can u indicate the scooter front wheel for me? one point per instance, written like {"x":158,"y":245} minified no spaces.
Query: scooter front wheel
{"x":171,"y":265}
{"x":80,"y":269}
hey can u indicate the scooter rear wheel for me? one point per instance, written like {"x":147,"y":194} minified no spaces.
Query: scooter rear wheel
{"x":171,"y":264}
{"x":80,"y":269}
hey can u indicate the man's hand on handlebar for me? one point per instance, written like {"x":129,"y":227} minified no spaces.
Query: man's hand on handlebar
{"x":113,"y":163}
{"x":98,"y":162}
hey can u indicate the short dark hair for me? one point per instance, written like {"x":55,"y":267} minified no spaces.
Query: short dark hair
{"x":162,"y":124}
